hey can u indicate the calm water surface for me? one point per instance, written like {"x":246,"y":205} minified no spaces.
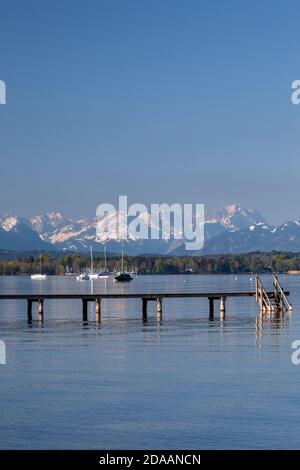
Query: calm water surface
{"x":187,"y":382}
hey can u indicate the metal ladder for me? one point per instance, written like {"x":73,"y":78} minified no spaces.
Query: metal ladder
{"x":274,"y":301}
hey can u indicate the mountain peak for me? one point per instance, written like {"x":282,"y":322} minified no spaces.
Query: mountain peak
{"x":47,"y":222}
{"x":232,"y":208}
{"x":230,"y":229}
{"x":9,"y":222}
{"x":234,"y":216}
{"x":16,"y":234}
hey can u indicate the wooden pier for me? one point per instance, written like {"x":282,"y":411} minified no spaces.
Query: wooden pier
{"x":271,"y":299}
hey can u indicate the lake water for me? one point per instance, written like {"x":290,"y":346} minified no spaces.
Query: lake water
{"x":187,"y":382}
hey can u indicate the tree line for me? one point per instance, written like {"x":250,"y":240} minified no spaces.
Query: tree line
{"x":210,"y":264}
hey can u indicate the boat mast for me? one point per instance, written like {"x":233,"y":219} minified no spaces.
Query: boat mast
{"x":40,"y":263}
{"x":105,"y":258}
{"x":122,"y":265}
{"x":92,"y":263}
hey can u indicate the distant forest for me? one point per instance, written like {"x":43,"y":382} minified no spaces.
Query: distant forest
{"x":214,"y":264}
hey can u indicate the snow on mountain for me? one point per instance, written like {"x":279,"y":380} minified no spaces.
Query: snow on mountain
{"x":15,"y":234}
{"x":256,"y":237}
{"x":233,"y":217}
{"x":46,"y":223}
{"x":81,"y":234}
{"x":9,"y":222}
{"x":231,"y":229}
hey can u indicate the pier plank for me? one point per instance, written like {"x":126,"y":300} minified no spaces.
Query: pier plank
{"x":154,"y":296}
{"x":145,"y":297}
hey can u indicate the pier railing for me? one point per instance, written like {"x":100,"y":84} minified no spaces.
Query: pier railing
{"x":272,"y":301}
{"x":263,"y":297}
{"x":280,"y":294}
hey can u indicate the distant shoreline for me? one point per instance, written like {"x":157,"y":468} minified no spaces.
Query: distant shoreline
{"x":60,"y":264}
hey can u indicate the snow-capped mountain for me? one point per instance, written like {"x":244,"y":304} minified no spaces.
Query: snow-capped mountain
{"x":46,"y":223}
{"x":233,"y":217}
{"x":63,"y":232}
{"x":232,"y":229}
{"x":257,"y":237}
{"x":15,"y":234}
{"x":79,"y":235}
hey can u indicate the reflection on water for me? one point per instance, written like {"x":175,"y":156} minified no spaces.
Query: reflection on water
{"x":271,"y":322}
{"x":186,"y":381}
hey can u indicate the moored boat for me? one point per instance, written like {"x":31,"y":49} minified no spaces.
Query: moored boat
{"x":83,"y":277}
{"x":40,"y":276}
{"x":123,"y":277}
{"x":94,"y":275}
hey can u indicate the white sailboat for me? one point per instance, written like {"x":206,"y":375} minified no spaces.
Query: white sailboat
{"x":94,"y":275}
{"x":40,"y":276}
{"x":104,"y":274}
{"x":83,"y":277}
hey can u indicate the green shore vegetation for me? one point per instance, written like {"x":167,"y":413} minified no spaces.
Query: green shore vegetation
{"x":212,"y":264}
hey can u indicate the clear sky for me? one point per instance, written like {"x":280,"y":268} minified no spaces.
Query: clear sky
{"x":161,"y":100}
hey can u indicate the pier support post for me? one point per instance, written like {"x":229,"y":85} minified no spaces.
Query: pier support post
{"x":211,"y":308}
{"x":41,"y":310}
{"x":29,"y":310}
{"x":159,"y":309}
{"x":98,"y":310}
{"x":144,"y":309}
{"x":84,"y":310}
{"x":222,"y":308}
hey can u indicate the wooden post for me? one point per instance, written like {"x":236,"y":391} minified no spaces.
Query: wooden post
{"x":159,"y":309}
{"x":144,"y":309}
{"x":211,"y":308}
{"x":84,"y":310}
{"x":41,"y":309}
{"x":29,"y":310}
{"x":260,"y":301}
{"x":222,"y":308}
{"x":256,"y":288}
{"x":98,"y":310}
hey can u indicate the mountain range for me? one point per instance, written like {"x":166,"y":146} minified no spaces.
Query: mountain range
{"x":229,"y":230}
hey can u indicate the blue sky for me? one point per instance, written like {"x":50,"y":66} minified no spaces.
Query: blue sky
{"x":164,"y":101}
